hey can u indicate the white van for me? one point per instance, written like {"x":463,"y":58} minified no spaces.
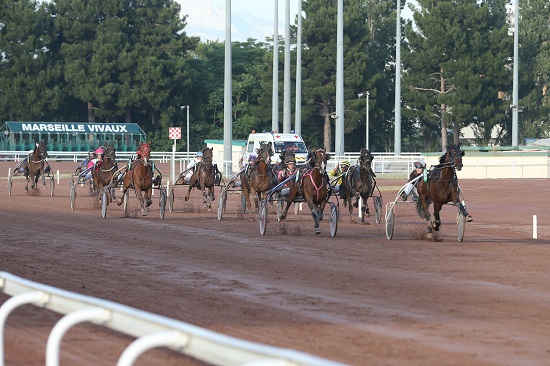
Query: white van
{"x":280,"y":142}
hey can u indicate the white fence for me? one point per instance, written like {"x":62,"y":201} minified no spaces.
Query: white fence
{"x":151,"y":330}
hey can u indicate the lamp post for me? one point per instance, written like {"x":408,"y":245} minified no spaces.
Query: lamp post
{"x":366,"y":94}
{"x":187,"y":107}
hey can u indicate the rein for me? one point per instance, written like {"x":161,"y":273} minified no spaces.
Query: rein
{"x":310,"y":175}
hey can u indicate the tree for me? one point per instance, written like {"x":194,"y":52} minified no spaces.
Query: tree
{"x":455,"y":66}
{"x":30,"y":76}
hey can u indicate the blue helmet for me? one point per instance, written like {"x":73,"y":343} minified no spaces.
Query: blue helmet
{"x":200,"y":154}
{"x":252,"y":157}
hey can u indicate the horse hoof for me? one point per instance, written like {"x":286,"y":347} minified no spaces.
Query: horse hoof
{"x":469,"y":218}
{"x":186,"y":198}
{"x":317,"y":230}
{"x":429,"y":236}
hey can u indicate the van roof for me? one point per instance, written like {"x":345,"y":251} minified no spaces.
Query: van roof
{"x":276,"y":136}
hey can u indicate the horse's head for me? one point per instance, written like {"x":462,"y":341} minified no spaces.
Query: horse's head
{"x":264,"y":152}
{"x":318,"y":159}
{"x":40,"y":152}
{"x":145,"y":151}
{"x":110,"y":153}
{"x":365,"y":159}
{"x":207,"y":155}
{"x":453,"y":156}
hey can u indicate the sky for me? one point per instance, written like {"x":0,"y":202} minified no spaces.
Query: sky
{"x":249,"y":18}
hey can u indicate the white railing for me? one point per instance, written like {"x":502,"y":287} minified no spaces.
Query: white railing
{"x":151,"y":330}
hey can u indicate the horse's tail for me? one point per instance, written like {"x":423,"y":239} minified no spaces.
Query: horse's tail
{"x":421,"y":211}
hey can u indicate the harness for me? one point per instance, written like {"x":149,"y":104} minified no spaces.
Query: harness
{"x":310,"y":175}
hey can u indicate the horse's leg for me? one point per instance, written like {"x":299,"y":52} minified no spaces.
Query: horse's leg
{"x":437,"y":221}
{"x":192,"y":182}
{"x":314,"y":209}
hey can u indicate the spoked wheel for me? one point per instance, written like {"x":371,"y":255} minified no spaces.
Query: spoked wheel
{"x":52,"y":185}
{"x":377,"y":208}
{"x":280,"y":208}
{"x":461,"y":223}
{"x":171,"y":199}
{"x":10,"y":184}
{"x":162,"y":203}
{"x":263,"y":217}
{"x":222,"y":197}
{"x":104,"y":203}
{"x":243,"y":203}
{"x":390,"y":220}
{"x":333,"y":219}
{"x":73,"y":193}
{"x":125,"y":201}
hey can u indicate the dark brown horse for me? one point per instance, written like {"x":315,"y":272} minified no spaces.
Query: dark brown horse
{"x":204,"y":178}
{"x":358,"y":182}
{"x":102,"y":173}
{"x":35,"y":166}
{"x":440,"y":188}
{"x":313,"y":186}
{"x":140,"y":177}
{"x":257,"y":180}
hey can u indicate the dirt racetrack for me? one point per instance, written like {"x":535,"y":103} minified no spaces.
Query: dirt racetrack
{"x":356,"y":298}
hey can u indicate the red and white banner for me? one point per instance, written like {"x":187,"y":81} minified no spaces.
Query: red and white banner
{"x":174,"y":133}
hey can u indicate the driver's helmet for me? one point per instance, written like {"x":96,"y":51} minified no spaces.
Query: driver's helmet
{"x":200,"y":154}
{"x":419,"y":164}
{"x":91,"y":153}
{"x":345,"y":163}
{"x":291,"y":161}
{"x":99,"y":150}
{"x":252,"y":158}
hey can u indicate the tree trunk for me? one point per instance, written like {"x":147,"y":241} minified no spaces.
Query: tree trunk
{"x":128,"y":115}
{"x":91,"y":115}
{"x":327,"y":133}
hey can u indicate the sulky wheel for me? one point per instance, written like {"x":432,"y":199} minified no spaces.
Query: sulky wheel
{"x":333,"y":219}
{"x":263,"y":217}
{"x":104,"y":203}
{"x":73,"y":193}
{"x":461,"y":223}
{"x":52,"y":186}
{"x":171,"y":199}
{"x":390,"y":221}
{"x":162,"y":203}
{"x":377,"y":208}
{"x":222,"y":197}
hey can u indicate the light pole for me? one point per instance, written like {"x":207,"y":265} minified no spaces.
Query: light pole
{"x":366,"y":94}
{"x":187,"y":107}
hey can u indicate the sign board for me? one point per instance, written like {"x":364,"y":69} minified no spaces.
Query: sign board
{"x":74,"y":128}
{"x":174,"y":133}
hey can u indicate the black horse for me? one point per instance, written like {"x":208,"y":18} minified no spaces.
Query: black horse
{"x":441,"y":187}
{"x":358,"y":182}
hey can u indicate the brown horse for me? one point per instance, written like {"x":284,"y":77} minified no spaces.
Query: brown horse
{"x":204,"y":177}
{"x":35,"y":165}
{"x":440,"y":188}
{"x":140,"y":177}
{"x":102,"y":173}
{"x":358,"y":182}
{"x":257,"y":180}
{"x":313,"y":186}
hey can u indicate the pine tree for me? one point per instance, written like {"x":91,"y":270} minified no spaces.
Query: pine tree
{"x":455,"y":67}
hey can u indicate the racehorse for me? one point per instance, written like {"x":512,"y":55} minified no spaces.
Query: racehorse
{"x":102,"y":173}
{"x":35,"y":166}
{"x":140,"y":176}
{"x":440,"y":188}
{"x":259,"y":179}
{"x":204,"y":178}
{"x":313,"y":186}
{"x":358,"y":182}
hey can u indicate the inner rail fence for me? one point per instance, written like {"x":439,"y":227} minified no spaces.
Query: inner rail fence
{"x":383,"y":163}
{"x":150,"y":330}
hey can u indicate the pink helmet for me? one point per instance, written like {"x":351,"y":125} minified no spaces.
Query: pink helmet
{"x":99,"y":150}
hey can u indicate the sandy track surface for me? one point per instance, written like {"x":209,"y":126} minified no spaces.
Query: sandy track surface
{"x":356,"y":298}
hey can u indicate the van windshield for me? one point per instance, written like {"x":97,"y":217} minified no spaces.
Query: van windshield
{"x":297,"y":147}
